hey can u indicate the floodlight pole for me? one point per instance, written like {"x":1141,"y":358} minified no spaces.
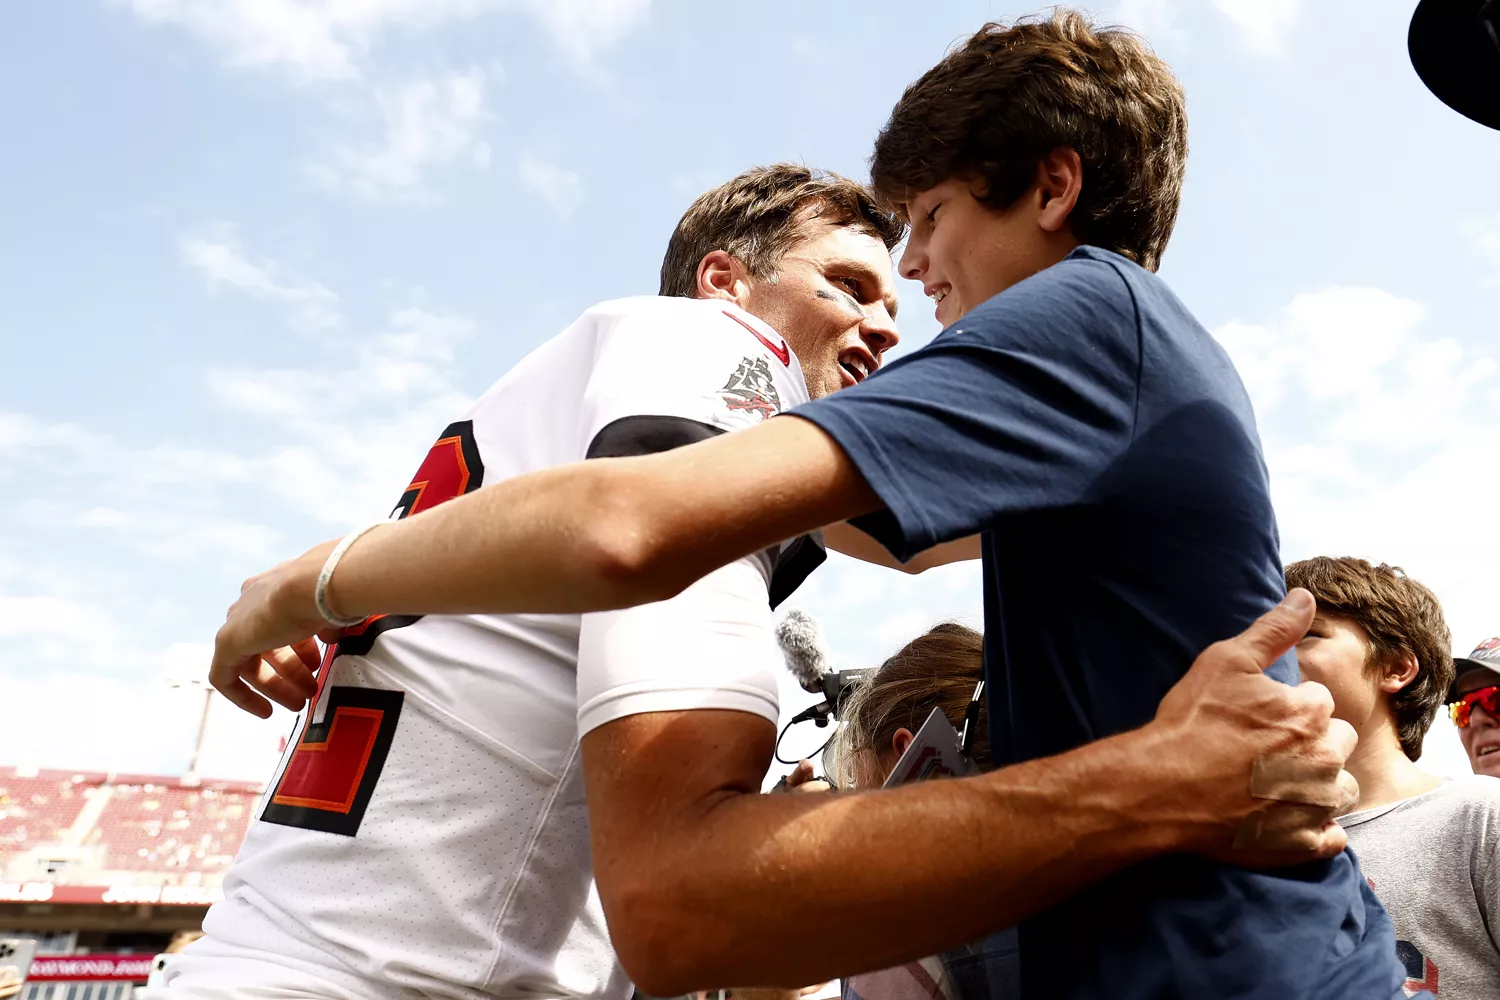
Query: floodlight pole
{"x":191,"y":778}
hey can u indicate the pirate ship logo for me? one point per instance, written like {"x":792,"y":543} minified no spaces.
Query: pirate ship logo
{"x":751,"y":389}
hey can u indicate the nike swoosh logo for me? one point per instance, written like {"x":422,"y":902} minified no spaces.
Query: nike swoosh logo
{"x":783,"y":352}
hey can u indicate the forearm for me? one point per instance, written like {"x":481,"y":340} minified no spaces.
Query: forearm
{"x":884,"y":877}
{"x":526,"y":544}
{"x":602,"y":534}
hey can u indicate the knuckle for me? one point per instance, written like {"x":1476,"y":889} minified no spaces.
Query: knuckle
{"x":1316,"y":696}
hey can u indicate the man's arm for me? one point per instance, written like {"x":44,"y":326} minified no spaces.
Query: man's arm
{"x":592,"y":536}
{"x":706,"y":882}
{"x":846,"y":538}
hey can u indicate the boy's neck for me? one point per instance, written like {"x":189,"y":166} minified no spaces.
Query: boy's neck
{"x":1384,"y":772}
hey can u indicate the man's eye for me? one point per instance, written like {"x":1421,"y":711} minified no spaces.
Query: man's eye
{"x":850,"y":285}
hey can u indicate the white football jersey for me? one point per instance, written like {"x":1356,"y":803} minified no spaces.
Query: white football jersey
{"x":425,"y":833}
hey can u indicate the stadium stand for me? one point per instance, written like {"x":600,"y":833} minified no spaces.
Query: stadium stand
{"x":109,"y":867}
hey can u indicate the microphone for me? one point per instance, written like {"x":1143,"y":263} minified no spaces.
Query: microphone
{"x":806,"y":654}
{"x":801,"y":641}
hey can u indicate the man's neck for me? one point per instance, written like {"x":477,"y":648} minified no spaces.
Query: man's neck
{"x":1384,"y":772}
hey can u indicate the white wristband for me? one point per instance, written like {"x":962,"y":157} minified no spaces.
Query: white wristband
{"x":320,"y":593}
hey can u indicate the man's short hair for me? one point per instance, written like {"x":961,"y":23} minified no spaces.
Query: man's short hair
{"x":761,"y":214}
{"x":1400,"y":616}
{"x":1010,"y":95}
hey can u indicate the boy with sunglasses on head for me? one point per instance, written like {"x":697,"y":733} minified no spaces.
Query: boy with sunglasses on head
{"x":1474,"y":704}
{"x":1428,"y":846}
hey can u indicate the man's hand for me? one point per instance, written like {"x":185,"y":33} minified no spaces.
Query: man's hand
{"x":1222,"y":716}
{"x":266,"y":642}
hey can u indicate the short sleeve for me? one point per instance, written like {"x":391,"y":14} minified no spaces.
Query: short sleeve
{"x":1023,"y":405}
{"x":711,"y":646}
{"x":666,"y":374}
{"x":669,"y":372}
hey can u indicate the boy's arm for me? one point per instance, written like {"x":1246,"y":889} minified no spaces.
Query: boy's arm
{"x":846,"y":538}
{"x":591,"y":536}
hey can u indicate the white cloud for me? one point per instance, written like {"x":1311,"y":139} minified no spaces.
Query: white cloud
{"x":1484,"y":237}
{"x":1265,"y":26}
{"x":585,"y":28}
{"x":1155,"y":19}
{"x":33,"y":614}
{"x":108,"y":535}
{"x":311,"y":39}
{"x":221,"y":260}
{"x":322,"y":40}
{"x":425,"y":124}
{"x":135,"y":722}
{"x":165,"y":500}
{"x":560,"y":188}
{"x":345,"y":443}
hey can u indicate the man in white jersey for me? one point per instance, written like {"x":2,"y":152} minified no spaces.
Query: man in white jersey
{"x":425,"y":832}
{"x":446,"y":853}
{"x":1429,"y":847}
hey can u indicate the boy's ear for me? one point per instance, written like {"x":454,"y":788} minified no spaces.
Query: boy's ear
{"x":1059,"y":181}
{"x":1399,"y":671}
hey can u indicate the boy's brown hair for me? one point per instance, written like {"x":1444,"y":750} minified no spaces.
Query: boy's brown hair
{"x":761,"y":214}
{"x":1401,"y":616}
{"x":1010,"y":95}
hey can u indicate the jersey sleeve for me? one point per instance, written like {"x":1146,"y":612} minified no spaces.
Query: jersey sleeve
{"x":678,"y":372}
{"x":665,"y":376}
{"x":1024,"y":405}
{"x":711,"y":646}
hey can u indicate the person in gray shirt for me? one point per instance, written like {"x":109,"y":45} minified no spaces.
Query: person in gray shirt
{"x":1429,"y":847}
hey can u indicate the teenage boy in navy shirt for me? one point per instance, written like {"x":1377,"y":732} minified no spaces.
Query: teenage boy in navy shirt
{"x":1073,"y":414}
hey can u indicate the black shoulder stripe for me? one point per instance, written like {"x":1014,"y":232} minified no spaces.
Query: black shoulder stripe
{"x":648,"y":434}
{"x":794,"y":564}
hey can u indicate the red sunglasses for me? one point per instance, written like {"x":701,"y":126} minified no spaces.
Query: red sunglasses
{"x":1487,"y":698}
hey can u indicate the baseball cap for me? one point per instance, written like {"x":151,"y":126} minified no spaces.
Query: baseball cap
{"x":1486,"y":656}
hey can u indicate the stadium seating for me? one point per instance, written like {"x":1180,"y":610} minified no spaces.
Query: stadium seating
{"x":38,"y":809}
{"x":147,"y":829}
{"x":155,"y":827}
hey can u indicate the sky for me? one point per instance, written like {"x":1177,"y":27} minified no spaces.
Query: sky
{"x":256,"y":253}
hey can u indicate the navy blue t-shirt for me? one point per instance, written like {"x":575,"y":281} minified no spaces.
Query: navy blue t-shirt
{"x":1101,"y":440}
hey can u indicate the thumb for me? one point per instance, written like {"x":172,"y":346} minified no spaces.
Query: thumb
{"x":1276,"y":631}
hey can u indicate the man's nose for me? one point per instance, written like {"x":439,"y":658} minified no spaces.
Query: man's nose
{"x":879,"y":331}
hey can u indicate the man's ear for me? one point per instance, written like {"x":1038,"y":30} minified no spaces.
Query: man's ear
{"x":1059,"y":181}
{"x":1399,"y":672}
{"x":720,"y":276}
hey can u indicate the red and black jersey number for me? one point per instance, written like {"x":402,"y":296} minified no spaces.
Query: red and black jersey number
{"x":328,"y":781}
